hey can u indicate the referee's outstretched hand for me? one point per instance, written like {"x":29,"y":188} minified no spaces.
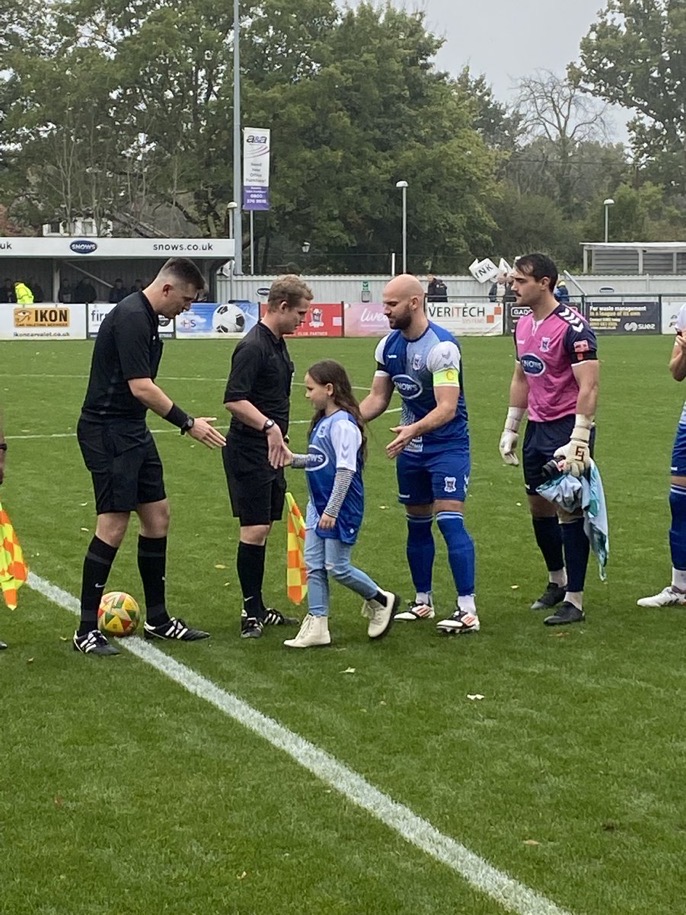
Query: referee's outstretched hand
{"x":203,"y":431}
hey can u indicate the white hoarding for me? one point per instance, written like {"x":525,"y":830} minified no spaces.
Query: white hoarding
{"x":462,"y":318}
{"x":47,"y":321}
{"x":85,"y":248}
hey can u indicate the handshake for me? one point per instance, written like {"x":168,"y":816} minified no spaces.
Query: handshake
{"x":574,"y":457}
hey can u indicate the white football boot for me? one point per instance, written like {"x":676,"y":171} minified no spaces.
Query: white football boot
{"x":668,"y":597}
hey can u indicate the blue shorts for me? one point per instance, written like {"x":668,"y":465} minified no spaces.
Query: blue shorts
{"x":679,"y":450}
{"x":541,"y":441}
{"x":424,"y":478}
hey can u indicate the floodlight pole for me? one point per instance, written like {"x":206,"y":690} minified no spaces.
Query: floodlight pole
{"x":237,"y":146}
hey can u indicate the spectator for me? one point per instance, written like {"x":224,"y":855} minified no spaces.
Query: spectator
{"x":117,"y":292}
{"x":7,"y":294}
{"x":137,"y":286}
{"x":37,"y":289}
{"x":65,"y":293}
{"x":84,"y":293}
{"x":437,"y":291}
{"x":561,"y":293}
{"x":23,"y":294}
{"x":501,"y":290}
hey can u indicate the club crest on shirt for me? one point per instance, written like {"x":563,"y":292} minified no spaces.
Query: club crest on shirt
{"x":545,"y":345}
{"x":449,"y":484}
{"x":417,"y":362}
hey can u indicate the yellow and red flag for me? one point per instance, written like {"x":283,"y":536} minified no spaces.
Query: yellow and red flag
{"x":296,"y":576}
{"x":13,"y":571}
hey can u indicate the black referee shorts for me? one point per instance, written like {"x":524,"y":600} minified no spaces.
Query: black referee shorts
{"x":257,"y":491}
{"x":124,"y":463}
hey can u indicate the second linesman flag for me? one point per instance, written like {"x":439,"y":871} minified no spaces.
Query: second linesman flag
{"x":296,"y":576}
{"x":13,"y":571}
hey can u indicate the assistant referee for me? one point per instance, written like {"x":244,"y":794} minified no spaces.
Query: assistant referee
{"x":258,"y":397}
{"x":122,"y":457}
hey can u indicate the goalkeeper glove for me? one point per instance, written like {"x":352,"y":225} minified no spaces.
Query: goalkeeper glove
{"x":510,"y":437}
{"x":576,"y":455}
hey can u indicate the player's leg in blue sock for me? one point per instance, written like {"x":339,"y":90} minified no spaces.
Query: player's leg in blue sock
{"x":460,"y":550}
{"x":421,"y":551}
{"x":677,"y":535}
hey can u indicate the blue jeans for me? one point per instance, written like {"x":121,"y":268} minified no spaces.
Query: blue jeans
{"x":325,"y":556}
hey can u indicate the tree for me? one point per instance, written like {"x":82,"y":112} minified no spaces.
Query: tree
{"x":634,"y":56}
{"x":119,"y":106}
{"x":554,"y":111}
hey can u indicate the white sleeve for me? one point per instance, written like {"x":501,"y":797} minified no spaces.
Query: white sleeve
{"x":378,"y":355}
{"x":445,"y":355}
{"x":346,"y":439}
{"x":681,"y":318}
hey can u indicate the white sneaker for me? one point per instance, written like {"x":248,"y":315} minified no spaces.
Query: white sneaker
{"x":668,"y":597}
{"x":461,"y":621}
{"x":314,"y":633}
{"x":380,"y":615}
{"x":417,"y":610}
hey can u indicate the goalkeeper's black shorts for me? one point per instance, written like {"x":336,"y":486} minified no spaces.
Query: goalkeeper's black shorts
{"x":541,"y":441}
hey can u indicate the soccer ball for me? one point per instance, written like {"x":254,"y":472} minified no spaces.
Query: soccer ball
{"x":118,"y":614}
{"x":228,"y":319}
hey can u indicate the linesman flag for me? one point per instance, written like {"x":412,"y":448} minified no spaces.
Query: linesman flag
{"x":296,"y":576}
{"x":13,"y":571}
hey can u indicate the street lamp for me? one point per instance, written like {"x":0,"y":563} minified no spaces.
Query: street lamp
{"x":607,"y":204}
{"x":403,"y":186}
{"x":305,"y":248}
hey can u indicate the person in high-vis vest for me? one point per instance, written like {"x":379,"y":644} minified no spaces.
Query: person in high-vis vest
{"x":23,"y":293}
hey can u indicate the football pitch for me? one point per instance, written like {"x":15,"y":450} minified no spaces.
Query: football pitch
{"x":236,"y":776}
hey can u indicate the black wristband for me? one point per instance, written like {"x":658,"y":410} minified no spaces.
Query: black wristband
{"x":177,"y":417}
{"x":3,"y":446}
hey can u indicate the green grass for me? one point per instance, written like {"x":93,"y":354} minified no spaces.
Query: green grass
{"x":122,"y":793}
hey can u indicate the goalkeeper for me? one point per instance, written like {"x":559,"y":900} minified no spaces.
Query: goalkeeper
{"x":556,"y":381}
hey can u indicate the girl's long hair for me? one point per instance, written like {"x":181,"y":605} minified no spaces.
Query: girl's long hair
{"x":328,"y":371}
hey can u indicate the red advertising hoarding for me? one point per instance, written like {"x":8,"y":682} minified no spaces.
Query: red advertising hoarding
{"x":324,"y":319}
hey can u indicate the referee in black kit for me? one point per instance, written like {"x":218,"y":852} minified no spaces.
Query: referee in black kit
{"x":121,"y":455}
{"x":258,"y":398}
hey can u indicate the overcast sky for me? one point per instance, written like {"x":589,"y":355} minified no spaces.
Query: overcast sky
{"x":507,"y":39}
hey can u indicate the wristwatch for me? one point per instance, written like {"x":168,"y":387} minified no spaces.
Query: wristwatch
{"x":269,"y":424}
{"x":190,"y":422}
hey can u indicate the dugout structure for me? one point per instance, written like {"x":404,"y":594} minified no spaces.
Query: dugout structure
{"x":47,"y":262}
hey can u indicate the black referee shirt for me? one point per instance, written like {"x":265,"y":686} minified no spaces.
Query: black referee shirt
{"x":261,"y":372}
{"x":128,"y":346}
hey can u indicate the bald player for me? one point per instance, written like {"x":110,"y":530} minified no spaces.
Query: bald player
{"x":422,"y":362}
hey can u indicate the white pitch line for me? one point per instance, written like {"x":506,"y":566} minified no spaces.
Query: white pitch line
{"x":222,"y":380}
{"x":293,"y":422}
{"x":508,"y":892}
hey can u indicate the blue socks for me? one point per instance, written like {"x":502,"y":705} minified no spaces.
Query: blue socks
{"x":460,"y":550}
{"x":420,"y":551}
{"x":677,"y":532}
